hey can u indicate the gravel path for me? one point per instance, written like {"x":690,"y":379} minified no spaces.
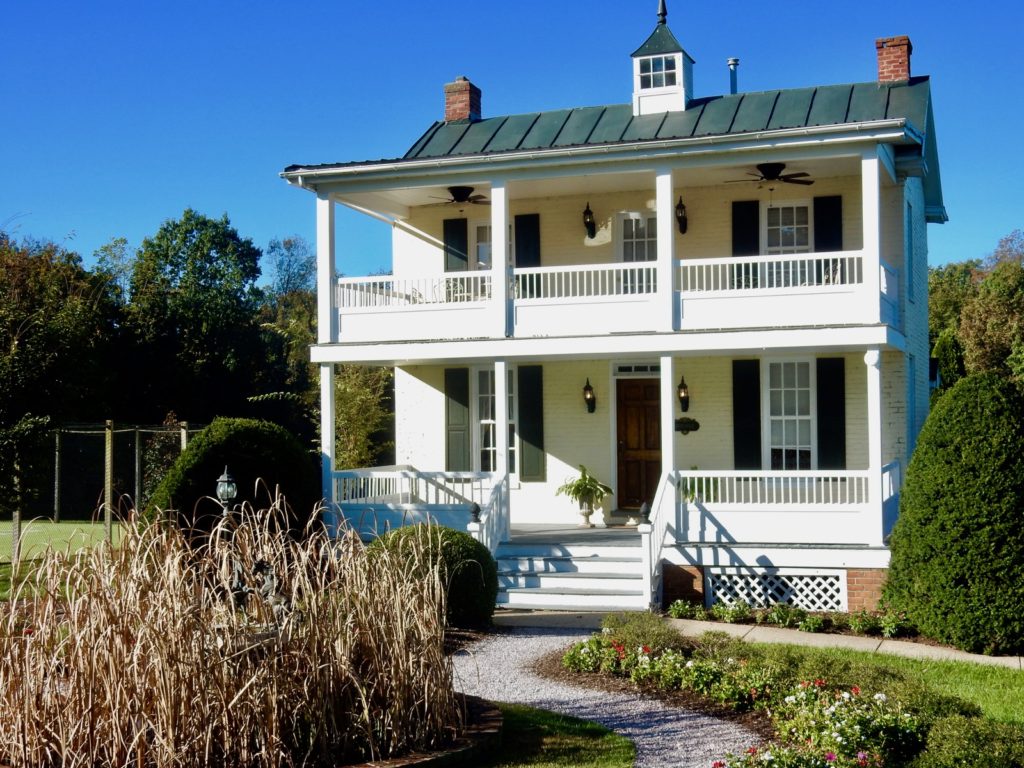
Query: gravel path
{"x":498,"y":668}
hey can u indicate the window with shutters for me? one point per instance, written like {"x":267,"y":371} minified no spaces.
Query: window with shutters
{"x":789,"y":415}
{"x":485,"y":416}
{"x":480,"y":248}
{"x":788,"y":228}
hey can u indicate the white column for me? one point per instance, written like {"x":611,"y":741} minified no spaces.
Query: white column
{"x":500,"y":260}
{"x":870,"y":191}
{"x":327,"y":436}
{"x":666,"y":250}
{"x":668,"y":414}
{"x":873,"y":521}
{"x":326,"y":316}
{"x":501,"y":417}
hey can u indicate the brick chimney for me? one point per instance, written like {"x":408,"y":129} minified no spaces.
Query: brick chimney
{"x":893,"y":58}
{"x":461,"y":100}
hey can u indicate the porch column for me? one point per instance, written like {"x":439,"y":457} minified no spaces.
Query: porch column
{"x":326,"y":316}
{"x":873,"y":522}
{"x":327,"y":332}
{"x":870,"y":191}
{"x":666,"y":251}
{"x":668,"y":405}
{"x":501,"y":417}
{"x":500,"y":260}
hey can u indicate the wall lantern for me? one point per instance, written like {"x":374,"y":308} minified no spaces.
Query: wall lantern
{"x":588,"y":221}
{"x":589,"y":397}
{"x":227,"y":489}
{"x":681,"y":216}
{"x":683,"y":392}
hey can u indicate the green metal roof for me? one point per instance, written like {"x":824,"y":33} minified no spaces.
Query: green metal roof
{"x":661,"y":41}
{"x":715,"y":116}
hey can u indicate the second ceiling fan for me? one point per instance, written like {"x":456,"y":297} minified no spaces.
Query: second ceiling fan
{"x":769,"y":172}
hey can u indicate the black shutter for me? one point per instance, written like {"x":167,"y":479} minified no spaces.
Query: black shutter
{"x":527,"y":240}
{"x":831,"y":383}
{"x":828,"y":224}
{"x":456,"y":245}
{"x":457,"y":436}
{"x":746,"y":413}
{"x":532,"y":461}
{"x":746,"y":227}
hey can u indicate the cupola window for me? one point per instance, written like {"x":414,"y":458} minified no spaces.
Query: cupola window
{"x":658,"y":72}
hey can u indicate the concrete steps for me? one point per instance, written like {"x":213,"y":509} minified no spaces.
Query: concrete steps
{"x":576,"y":577}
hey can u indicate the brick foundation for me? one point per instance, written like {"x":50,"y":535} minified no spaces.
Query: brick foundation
{"x":682,"y":582}
{"x":864,"y":588}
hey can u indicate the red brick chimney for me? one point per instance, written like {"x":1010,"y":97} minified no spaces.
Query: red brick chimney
{"x":893,"y":58}
{"x":461,"y":100}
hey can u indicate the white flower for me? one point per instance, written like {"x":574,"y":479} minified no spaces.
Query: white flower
{"x":880,"y":697}
{"x":689,"y":663}
{"x":790,"y":699}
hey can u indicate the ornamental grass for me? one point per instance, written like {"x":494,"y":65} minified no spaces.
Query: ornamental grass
{"x":249,"y":647}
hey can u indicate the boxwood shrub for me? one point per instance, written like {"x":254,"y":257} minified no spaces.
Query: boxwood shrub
{"x":254,"y":450}
{"x":466,"y":565}
{"x":957,"y":564}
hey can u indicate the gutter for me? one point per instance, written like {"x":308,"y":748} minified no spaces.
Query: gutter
{"x":894,"y":129}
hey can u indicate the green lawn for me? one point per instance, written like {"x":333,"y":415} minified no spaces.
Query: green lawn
{"x":37,"y":534}
{"x":535,"y":738}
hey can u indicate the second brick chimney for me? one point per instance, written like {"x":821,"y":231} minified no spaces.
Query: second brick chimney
{"x":893,"y":58}
{"x":461,"y":100}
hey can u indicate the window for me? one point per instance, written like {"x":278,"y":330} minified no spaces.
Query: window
{"x":481,"y":235}
{"x":657,"y":72}
{"x":788,"y":228}
{"x":485,"y":417}
{"x":789,"y":414}
{"x":639,"y":237}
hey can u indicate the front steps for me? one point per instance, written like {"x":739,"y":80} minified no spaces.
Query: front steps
{"x":572,"y":577}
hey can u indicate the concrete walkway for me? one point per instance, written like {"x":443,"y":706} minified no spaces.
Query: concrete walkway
{"x":759,"y":633}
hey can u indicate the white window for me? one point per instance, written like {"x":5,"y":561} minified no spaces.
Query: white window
{"x":639,"y":237}
{"x":480,"y":246}
{"x":485,"y":418}
{"x":658,"y":72}
{"x":789,"y":413}
{"x":788,"y":228}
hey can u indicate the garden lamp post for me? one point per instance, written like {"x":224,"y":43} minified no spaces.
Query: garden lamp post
{"x":227,"y":489}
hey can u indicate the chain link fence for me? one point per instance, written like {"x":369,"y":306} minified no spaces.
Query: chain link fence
{"x":100,"y":473}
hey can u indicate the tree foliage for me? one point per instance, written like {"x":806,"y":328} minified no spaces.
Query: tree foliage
{"x":957,"y":564}
{"x":949,"y":288}
{"x":992,"y":321}
{"x":362,"y":417}
{"x":193,"y":313}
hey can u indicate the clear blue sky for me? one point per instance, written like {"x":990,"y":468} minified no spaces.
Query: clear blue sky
{"x":119,"y":115}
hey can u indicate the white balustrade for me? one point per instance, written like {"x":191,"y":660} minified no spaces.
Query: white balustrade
{"x":355,"y":293}
{"x":754,"y":273}
{"x":889,"y":287}
{"x":538,"y":283}
{"x":779,"y":489}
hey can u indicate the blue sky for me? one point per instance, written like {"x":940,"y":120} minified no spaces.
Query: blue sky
{"x":117,"y":116}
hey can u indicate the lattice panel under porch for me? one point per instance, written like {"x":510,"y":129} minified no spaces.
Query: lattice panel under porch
{"x":810,"y":590}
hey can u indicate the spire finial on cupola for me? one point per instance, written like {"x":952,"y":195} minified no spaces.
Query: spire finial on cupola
{"x":662,"y":12}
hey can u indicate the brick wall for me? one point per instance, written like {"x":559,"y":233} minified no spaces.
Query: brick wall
{"x":682,"y":582}
{"x":893,"y":58}
{"x":864,"y":588}
{"x":461,"y":100}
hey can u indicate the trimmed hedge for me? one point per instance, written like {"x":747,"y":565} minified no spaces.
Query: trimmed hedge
{"x":466,"y":566}
{"x":970,"y":742}
{"x":957,"y":564}
{"x":261,"y":455}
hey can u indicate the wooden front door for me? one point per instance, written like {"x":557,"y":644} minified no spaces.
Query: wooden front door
{"x":639,"y":441}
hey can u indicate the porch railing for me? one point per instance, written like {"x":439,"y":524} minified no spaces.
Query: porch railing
{"x":493,"y":526}
{"x":353,"y":293}
{"x":653,"y":533}
{"x":892,"y":485}
{"x":764,"y":488}
{"x":889,"y":286}
{"x":586,"y":281}
{"x":749,"y":273}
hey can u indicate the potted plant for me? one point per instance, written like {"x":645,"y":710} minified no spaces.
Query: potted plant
{"x":587,"y":491}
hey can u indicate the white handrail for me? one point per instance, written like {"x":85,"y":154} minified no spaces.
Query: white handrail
{"x":409,"y":486}
{"x":585,"y":281}
{"x":653,"y":533}
{"x":839,"y":488}
{"x":493,"y":525}
{"x":386,"y":291}
{"x":750,"y":273}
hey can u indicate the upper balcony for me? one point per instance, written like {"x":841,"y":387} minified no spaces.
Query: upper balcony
{"x":797,"y":290}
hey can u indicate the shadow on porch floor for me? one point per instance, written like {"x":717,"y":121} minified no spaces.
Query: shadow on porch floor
{"x":539,"y":533}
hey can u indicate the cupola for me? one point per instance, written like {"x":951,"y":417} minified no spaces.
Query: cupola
{"x":662,"y":71}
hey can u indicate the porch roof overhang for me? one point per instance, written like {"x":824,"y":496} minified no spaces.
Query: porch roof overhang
{"x":794,"y":340}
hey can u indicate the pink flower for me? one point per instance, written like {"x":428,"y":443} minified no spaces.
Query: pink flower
{"x":830,"y":757}
{"x":856,"y":692}
{"x":718,"y":764}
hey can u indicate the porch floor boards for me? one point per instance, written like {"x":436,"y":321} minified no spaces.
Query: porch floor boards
{"x":545,"y":533}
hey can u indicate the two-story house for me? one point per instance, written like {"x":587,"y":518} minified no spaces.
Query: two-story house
{"x":717,"y":304}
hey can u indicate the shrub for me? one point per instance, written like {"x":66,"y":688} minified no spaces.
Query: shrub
{"x":639,"y":629}
{"x":864,"y":623}
{"x":737,"y":613}
{"x":962,"y":742}
{"x":812,"y":624}
{"x":785,"y":615}
{"x":468,"y":568}
{"x":957,"y":565}
{"x":682,"y":609}
{"x":256,"y":452}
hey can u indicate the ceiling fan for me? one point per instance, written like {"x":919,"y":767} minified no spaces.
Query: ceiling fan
{"x":769,"y":172}
{"x":463,"y":195}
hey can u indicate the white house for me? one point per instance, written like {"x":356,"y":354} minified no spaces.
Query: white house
{"x":766,"y":252}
